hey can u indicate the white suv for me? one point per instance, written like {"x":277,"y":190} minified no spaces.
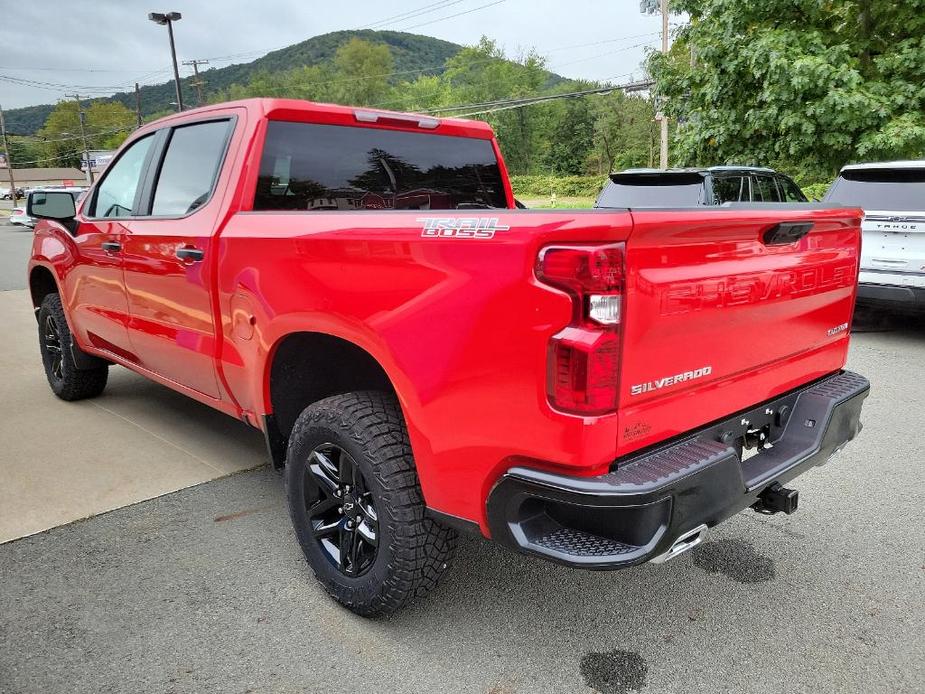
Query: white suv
{"x":892,"y":195}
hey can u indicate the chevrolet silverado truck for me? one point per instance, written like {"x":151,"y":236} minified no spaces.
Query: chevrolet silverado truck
{"x":593,"y":387}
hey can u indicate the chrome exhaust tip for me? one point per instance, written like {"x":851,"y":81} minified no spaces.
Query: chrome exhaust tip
{"x":685,"y":542}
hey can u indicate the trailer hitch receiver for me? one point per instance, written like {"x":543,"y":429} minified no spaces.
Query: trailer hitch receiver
{"x":777,"y":498}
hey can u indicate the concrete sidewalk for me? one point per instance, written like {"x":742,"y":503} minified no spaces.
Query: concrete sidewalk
{"x":61,"y":461}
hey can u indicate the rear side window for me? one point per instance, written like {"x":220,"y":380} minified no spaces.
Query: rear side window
{"x":730,"y":189}
{"x":652,"y":190}
{"x":765,"y":189}
{"x":314,"y":167}
{"x":790,"y":191}
{"x":191,"y":164}
{"x":115,"y":195}
{"x":897,"y":190}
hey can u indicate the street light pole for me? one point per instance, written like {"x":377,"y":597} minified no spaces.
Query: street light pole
{"x":169,"y":18}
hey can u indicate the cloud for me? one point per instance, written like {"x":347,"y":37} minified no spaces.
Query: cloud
{"x":61,"y":43}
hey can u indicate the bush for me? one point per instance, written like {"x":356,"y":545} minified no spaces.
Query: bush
{"x":563,"y":186}
{"x":815,"y":191}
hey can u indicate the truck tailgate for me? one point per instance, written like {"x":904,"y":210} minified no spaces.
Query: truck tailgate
{"x":720,"y":315}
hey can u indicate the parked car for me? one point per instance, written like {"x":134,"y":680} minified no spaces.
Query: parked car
{"x":19,"y":215}
{"x":893,"y":249}
{"x":423,"y":357}
{"x":5,"y":193}
{"x":692,"y":187}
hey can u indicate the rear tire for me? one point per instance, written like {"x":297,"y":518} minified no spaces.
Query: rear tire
{"x":66,"y":380}
{"x":357,"y":507}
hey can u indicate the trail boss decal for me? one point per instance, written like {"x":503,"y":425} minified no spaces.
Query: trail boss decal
{"x":670,"y":380}
{"x":461,"y":227}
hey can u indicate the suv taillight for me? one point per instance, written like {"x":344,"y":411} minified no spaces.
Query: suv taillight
{"x":584,"y":358}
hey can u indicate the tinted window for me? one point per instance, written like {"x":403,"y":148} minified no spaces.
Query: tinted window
{"x":897,"y":190}
{"x":333,"y":167}
{"x":790,"y":190}
{"x":190,"y":167}
{"x":730,"y":189}
{"x":765,"y":190}
{"x":115,"y":196}
{"x":652,"y":190}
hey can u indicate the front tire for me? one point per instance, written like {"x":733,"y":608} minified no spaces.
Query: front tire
{"x":357,"y":507}
{"x":66,"y":380}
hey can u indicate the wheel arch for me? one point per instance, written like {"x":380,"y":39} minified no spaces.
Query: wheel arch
{"x":42,"y":282}
{"x":303,"y":367}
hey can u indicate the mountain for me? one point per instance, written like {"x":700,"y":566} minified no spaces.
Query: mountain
{"x":409,"y":52}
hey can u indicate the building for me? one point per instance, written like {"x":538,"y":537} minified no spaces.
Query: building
{"x":54,"y":176}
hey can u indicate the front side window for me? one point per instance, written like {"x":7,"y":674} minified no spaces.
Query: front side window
{"x":730,"y":189}
{"x":115,"y":196}
{"x":313,"y":167}
{"x":191,"y":164}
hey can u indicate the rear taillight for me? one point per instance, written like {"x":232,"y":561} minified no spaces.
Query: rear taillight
{"x":584,"y":358}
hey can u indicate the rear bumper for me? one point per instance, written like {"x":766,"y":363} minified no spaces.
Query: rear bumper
{"x":884,"y":294}
{"x":638,"y":511}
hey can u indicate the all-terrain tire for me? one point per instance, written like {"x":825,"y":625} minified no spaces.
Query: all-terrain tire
{"x":66,"y":380}
{"x":413,"y":550}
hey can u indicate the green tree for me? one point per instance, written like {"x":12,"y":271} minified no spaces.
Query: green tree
{"x":106,"y":124}
{"x":571,"y":138}
{"x":814,"y":83}
{"x":362,"y":72}
{"x":625,"y":133}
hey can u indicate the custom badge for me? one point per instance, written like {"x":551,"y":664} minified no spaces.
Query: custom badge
{"x":461,"y":227}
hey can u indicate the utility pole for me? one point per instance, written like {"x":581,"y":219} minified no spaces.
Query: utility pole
{"x":651,"y":7}
{"x":83,"y":136}
{"x":137,"y":106}
{"x":9,"y":160}
{"x":168,"y":18}
{"x":663,"y":154}
{"x":198,"y":83}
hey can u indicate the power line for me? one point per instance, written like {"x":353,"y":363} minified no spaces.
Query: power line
{"x":451,"y":16}
{"x":404,"y":16}
{"x":520,"y":103}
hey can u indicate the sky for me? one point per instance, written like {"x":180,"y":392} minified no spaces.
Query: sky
{"x":104,"y":46}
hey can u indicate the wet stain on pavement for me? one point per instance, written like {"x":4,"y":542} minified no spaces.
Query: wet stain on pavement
{"x":614,"y":672}
{"x":736,"y":559}
{"x":240,"y":514}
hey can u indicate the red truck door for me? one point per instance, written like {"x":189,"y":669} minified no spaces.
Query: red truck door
{"x":93,"y":287}
{"x":168,"y":257}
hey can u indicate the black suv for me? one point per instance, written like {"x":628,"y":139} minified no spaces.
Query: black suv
{"x":691,"y":187}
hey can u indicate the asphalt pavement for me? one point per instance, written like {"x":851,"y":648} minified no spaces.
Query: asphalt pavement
{"x":205,"y":590}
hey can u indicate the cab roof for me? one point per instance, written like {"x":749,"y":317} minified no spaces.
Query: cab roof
{"x":333,"y":114}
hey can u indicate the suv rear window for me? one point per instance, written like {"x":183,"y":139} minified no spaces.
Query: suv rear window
{"x":652,"y":190}
{"x":313,"y":167}
{"x":899,"y":190}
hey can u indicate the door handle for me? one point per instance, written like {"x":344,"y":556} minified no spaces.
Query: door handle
{"x":111,"y":246}
{"x":189,"y":253}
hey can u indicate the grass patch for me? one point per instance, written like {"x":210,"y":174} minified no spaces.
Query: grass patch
{"x":558,"y":203}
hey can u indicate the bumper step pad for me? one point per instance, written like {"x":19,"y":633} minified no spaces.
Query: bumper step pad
{"x":639,"y":510}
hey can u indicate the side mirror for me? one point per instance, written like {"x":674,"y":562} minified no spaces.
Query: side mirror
{"x":55,"y":205}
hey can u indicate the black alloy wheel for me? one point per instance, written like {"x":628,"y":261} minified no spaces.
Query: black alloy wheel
{"x":340,"y":509}
{"x":51,"y":343}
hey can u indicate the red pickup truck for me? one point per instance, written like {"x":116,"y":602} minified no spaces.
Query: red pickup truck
{"x":595,"y":387}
